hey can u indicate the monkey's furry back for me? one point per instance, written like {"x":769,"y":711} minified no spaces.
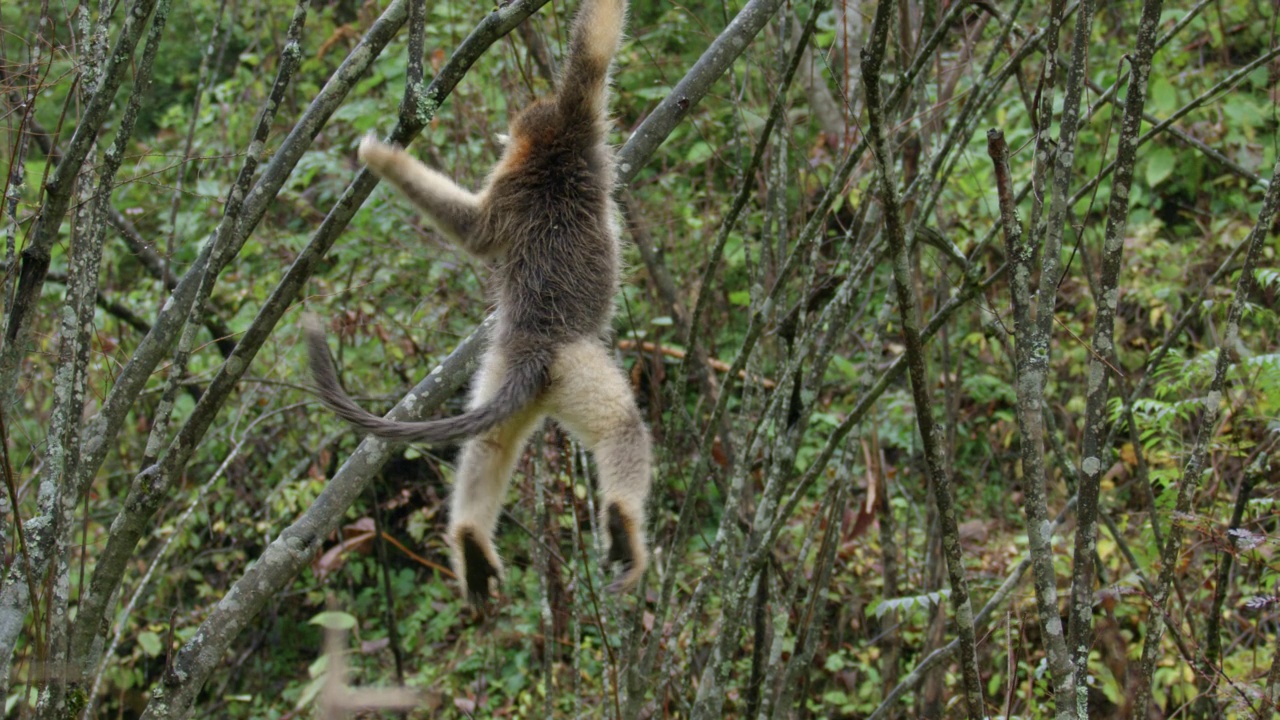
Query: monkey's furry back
{"x":546,"y":223}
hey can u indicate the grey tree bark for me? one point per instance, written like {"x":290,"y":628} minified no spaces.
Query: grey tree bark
{"x":1091,"y":468}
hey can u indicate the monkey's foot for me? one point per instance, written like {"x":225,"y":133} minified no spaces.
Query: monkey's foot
{"x":477,"y":566}
{"x":626,"y":548}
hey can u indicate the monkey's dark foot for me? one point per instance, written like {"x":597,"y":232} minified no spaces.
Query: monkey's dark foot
{"x":477,"y":569}
{"x":620,"y":550}
{"x":626,"y":548}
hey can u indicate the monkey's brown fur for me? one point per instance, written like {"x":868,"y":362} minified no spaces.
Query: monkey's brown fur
{"x":546,"y":223}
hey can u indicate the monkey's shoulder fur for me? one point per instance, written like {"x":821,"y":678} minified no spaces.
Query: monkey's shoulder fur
{"x":549,"y":213}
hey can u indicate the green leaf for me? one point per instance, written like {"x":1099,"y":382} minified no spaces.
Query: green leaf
{"x":309,"y":693}
{"x":150,"y":643}
{"x":835,"y":697}
{"x":656,"y":92}
{"x":698,"y":154}
{"x":1160,"y":165}
{"x":334,"y":620}
{"x":1164,"y":98}
{"x":740,"y":297}
{"x":846,"y":369}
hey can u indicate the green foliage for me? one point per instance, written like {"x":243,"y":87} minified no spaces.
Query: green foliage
{"x":911,"y":604}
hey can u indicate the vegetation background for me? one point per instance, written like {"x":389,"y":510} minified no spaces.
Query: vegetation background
{"x":916,"y":456}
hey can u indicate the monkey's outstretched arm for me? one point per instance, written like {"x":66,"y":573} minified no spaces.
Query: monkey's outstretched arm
{"x":597,"y":33}
{"x":451,"y":209}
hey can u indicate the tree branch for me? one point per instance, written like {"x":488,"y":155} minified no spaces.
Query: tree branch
{"x":935,"y":462}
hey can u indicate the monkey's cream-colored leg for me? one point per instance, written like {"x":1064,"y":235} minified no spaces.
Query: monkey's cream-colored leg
{"x":449,"y":207}
{"x":591,"y":397}
{"x":487,"y":462}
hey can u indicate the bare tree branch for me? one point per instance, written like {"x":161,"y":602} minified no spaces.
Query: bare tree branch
{"x":1080,"y":637}
{"x":1031,"y":369}
{"x":935,"y":463}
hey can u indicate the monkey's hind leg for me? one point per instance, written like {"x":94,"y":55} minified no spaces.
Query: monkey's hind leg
{"x":591,"y":397}
{"x":483,"y":474}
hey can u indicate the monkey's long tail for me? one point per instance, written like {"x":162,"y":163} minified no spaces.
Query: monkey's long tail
{"x":521,"y":384}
